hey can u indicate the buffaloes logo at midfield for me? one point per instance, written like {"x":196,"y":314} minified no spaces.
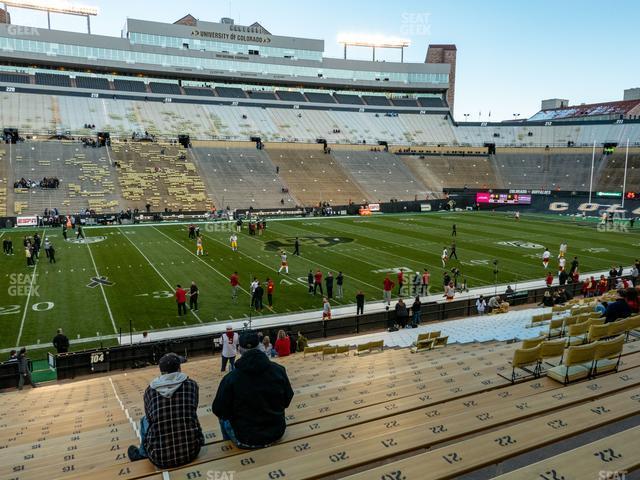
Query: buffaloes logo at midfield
{"x":288,"y":243}
{"x":82,"y":241}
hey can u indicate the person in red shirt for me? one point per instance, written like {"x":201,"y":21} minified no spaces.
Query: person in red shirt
{"x":387,"y":287}
{"x":270,"y":288}
{"x":603,"y":285}
{"x":317,"y":282}
{"x":234,"y":280}
{"x":400,"y":281}
{"x":181,"y":300}
{"x":426,"y":277}
{"x":632,"y":299}
{"x":283,"y":344}
{"x":549,"y":279}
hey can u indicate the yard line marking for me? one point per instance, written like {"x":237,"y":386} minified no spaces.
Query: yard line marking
{"x":157,"y":271}
{"x":26,"y":305}
{"x":197,"y":257}
{"x":104,"y":295}
{"x":325,"y":267}
{"x":344,"y":232}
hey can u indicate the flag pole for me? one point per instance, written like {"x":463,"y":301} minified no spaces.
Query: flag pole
{"x":593,"y":159}
{"x":624,"y":179}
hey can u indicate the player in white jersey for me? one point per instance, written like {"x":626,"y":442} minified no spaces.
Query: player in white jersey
{"x":444,"y":257}
{"x":561,"y":263}
{"x":284,"y":265}
{"x":233,"y":240}
{"x":517,"y":216}
{"x":563,"y":250}
{"x":199,"y":248}
{"x":545,"y":257}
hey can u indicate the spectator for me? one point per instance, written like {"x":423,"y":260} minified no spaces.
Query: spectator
{"x":170,"y":432}
{"x":329,"y":284}
{"x":495,"y":303}
{"x":230,"y":342}
{"x":481,"y":305}
{"x":61,"y":342}
{"x":601,"y":308}
{"x":302,"y":342}
{"x":402,"y":314}
{"x":618,"y":309}
{"x":326,"y":309}
{"x":547,"y":299}
{"x":283,"y":344}
{"x":635,"y":273}
{"x":23,"y":369}
{"x":416,"y":310}
{"x":632,"y":299}
{"x":13,"y":356}
{"x":509,"y":290}
{"x":181,"y":297}
{"x":449,"y":291}
{"x":386,"y":290}
{"x":250,"y":402}
{"x":266,"y":347}
{"x":145,"y":337}
{"x":360,"y":303}
{"x":549,"y":279}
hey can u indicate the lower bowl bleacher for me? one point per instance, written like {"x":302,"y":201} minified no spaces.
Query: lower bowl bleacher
{"x":357,"y":415}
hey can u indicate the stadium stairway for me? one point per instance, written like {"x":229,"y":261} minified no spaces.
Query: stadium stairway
{"x":313,"y":177}
{"x":382,"y":176}
{"x":155,"y":174}
{"x":87,"y":179}
{"x":242,"y":177}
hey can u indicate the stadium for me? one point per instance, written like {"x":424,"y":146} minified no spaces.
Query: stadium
{"x":450,"y":298}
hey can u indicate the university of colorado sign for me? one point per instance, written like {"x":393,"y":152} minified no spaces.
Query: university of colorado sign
{"x":232,"y":36}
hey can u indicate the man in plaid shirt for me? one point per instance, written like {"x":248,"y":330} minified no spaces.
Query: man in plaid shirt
{"x":170,"y":432}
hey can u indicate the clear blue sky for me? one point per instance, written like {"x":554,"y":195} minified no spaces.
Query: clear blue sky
{"x":511,"y":54}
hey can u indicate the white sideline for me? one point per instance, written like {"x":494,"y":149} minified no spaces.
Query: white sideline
{"x":26,"y":305}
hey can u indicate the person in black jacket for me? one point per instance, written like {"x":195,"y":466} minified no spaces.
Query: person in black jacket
{"x":617,"y":310}
{"x":251,"y":400}
{"x":310,"y":282}
{"x":329,"y":283}
{"x":402,"y":314}
{"x":61,"y":342}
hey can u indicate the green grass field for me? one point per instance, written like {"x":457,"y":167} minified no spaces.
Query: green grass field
{"x":144,"y":263}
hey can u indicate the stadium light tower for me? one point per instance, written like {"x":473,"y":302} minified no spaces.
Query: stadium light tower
{"x":55,"y":6}
{"x":515,"y":116}
{"x":373,"y":42}
{"x":466,"y":117}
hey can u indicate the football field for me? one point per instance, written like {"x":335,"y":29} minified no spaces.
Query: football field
{"x":126,"y":275}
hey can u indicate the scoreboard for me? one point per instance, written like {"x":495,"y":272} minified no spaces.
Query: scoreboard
{"x":503,"y":198}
